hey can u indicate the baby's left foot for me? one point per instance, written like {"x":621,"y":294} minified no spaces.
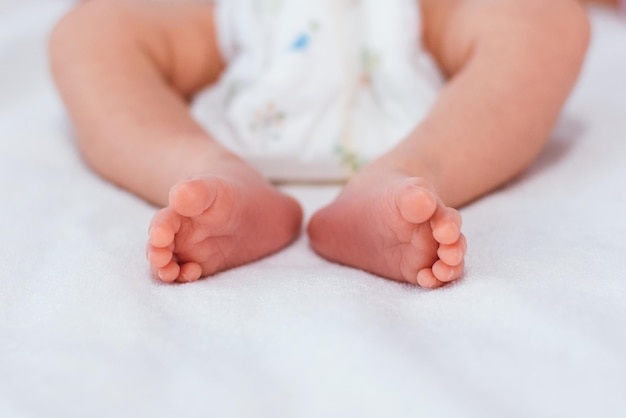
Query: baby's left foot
{"x":394,"y":226}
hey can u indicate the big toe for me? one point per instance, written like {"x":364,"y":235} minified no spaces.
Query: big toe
{"x":191,"y":198}
{"x":415,"y":200}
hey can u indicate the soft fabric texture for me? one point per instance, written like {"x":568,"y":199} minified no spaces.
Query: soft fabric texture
{"x":314,"y":90}
{"x":536,"y":328}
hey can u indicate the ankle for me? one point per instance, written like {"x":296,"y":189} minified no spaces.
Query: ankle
{"x":397,"y":165}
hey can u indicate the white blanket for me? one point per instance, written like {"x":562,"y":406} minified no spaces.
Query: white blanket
{"x":537,"y":327}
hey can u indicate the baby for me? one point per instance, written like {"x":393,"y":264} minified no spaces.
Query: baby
{"x":332,"y":87}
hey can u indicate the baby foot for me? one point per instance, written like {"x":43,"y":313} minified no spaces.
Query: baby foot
{"x":214,"y":223}
{"x":394,"y":226}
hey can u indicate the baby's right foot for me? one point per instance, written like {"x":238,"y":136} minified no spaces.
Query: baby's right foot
{"x":219,"y":221}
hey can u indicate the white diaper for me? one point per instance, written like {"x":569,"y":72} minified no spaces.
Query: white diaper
{"x":315,"y":89}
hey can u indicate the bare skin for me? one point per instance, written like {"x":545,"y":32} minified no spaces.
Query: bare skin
{"x":411,"y":236}
{"x":213,"y":223}
{"x":142,"y":61}
{"x":509,"y":76}
{"x":125,"y":71}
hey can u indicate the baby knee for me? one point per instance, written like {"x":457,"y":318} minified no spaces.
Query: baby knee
{"x":564,"y":23}
{"x":574,"y":29}
{"x":88,"y":23}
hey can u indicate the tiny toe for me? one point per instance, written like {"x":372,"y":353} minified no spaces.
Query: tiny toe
{"x":161,"y":236}
{"x":169,"y":273}
{"x":163,"y":227}
{"x":191,"y":198}
{"x":427,"y":279}
{"x":160,"y":257}
{"x":446,"y":273}
{"x":446,"y":225}
{"x":190,"y":272}
{"x":453,"y":254}
{"x":416,"y":203}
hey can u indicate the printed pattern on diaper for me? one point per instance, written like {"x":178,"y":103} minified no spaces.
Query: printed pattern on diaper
{"x":349,"y":159}
{"x":267,"y":122}
{"x":303,"y":39}
{"x":370,"y":64}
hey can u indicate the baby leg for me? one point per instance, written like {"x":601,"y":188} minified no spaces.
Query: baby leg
{"x":125,"y":71}
{"x":511,"y":66}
